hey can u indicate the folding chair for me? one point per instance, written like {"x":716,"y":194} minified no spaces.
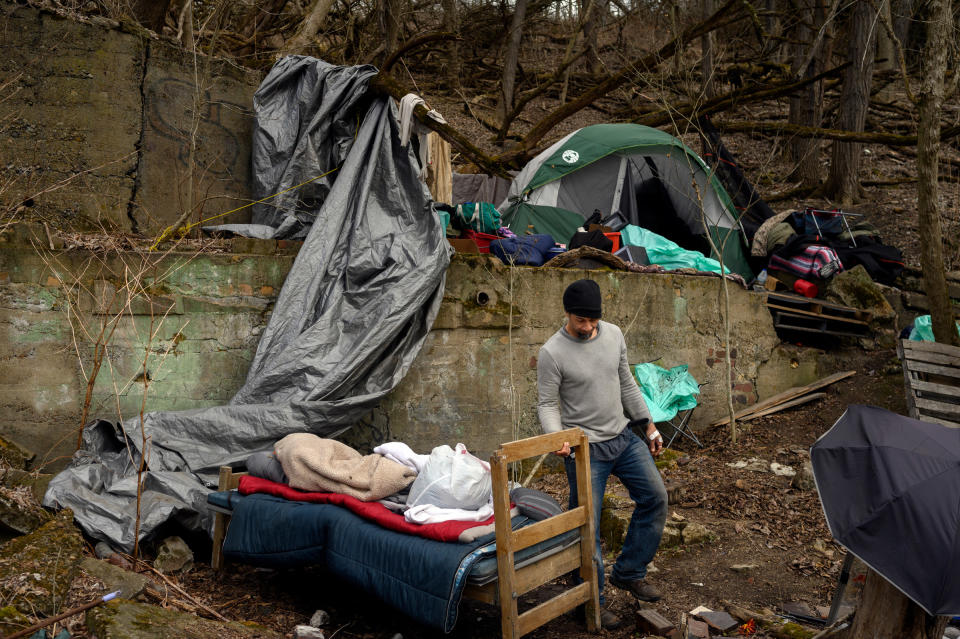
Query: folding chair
{"x":660,"y":389}
{"x":680,"y":427}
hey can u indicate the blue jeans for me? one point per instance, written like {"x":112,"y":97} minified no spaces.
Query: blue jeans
{"x":638,"y":472}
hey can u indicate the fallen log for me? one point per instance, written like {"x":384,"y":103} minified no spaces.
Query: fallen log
{"x":770,"y":623}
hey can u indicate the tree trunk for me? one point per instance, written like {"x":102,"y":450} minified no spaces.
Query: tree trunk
{"x":902,"y":14}
{"x":843,"y":184}
{"x":451,"y":24}
{"x":806,"y":105}
{"x":939,"y":25}
{"x":510,"y":59}
{"x":706,"y":61}
{"x":315,"y":16}
{"x":886,"y":613}
{"x":150,"y":13}
{"x":591,"y":29}
{"x":390,"y":25}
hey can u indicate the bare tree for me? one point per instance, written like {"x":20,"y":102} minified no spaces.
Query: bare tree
{"x":451,"y":24}
{"x":313,"y":21}
{"x":707,"y":42}
{"x":930,"y":103}
{"x":843,"y":183}
{"x":511,"y":58}
{"x":806,"y":104}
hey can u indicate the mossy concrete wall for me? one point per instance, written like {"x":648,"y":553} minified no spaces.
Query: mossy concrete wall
{"x":109,"y":126}
{"x":475,"y":380}
{"x":185,"y":337}
{"x":175,"y":331}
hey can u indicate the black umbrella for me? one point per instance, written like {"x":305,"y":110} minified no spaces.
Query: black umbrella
{"x":890,"y":489}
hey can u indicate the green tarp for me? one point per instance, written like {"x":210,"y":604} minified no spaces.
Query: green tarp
{"x":666,"y":392}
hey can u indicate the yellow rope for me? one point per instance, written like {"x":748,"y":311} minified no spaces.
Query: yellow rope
{"x":167,"y":232}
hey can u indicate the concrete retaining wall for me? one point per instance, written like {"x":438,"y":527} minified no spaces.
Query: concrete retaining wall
{"x":83,"y":147}
{"x":197,"y":318}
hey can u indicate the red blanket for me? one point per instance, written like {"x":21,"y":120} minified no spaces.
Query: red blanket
{"x":374,"y":511}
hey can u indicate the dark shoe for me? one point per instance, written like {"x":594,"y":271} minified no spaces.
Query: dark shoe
{"x":608,"y":620}
{"x":638,"y":588}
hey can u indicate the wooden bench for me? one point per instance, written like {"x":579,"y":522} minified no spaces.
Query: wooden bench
{"x":931,"y":375}
{"x":512,"y":582}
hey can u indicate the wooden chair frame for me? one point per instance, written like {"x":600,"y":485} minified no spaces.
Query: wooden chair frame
{"x":512,"y":582}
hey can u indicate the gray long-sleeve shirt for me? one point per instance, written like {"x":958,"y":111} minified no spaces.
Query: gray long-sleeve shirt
{"x":587,"y":384}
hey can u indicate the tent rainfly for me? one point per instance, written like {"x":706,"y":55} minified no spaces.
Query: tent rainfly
{"x":648,"y":176}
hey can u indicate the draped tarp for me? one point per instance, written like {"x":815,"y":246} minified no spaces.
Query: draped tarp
{"x":351,"y":317}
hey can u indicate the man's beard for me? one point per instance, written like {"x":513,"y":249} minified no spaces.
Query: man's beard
{"x":584,"y":335}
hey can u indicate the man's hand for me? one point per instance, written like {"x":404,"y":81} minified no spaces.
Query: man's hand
{"x":565,"y":451}
{"x":655,"y":440}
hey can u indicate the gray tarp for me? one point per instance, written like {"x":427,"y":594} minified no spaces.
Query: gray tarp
{"x":350,"y":319}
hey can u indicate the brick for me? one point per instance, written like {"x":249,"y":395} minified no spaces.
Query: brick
{"x":719,"y":620}
{"x":697,"y":629}
{"x":651,"y":621}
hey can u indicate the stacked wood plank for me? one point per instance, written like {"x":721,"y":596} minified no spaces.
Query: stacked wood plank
{"x":931,"y":375}
{"x":787,"y":399}
{"x":800,"y":314}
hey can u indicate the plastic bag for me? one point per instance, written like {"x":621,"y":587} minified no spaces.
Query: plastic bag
{"x":452,"y":479}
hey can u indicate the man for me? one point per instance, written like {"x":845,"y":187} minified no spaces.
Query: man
{"x":583,"y":380}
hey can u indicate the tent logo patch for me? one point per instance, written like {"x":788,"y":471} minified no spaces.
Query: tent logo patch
{"x":570,"y":156}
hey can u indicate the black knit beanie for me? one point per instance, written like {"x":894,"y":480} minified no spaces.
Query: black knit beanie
{"x":583,"y":298}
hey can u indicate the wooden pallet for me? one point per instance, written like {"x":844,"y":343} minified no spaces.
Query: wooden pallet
{"x":931,"y":376}
{"x":809,"y":315}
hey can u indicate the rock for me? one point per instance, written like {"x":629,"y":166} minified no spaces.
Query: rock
{"x":19,"y":511}
{"x":951,"y":632}
{"x":103,"y":550}
{"x":782,"y":471}
{"x":821,"y":546}
{"x":855,"y":288}
{"x":13,"y":455}
{"x":674,"y":491}
{"x":697,"y":534}
{"x":740,"y":484}
{"x":122,"y":619}
{"x":799,"y":608}
{"x":36,"y":569}
{"x":36,"y":482}
{"x":614,"y":519}
{"x":668,"y":459}
{"x":672,"y":536}
{"x":174,"y":555}
{"x":803,"y":480}
{"x":675,"y":516}
{"x":753,"y":464}
{"x":307,"y":632}
{"x":130,"y":584}
{"x":741,"y":568}
{"x":320,"y":618}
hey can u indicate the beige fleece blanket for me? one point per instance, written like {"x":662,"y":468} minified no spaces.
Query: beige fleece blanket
{"x":325,"y":465}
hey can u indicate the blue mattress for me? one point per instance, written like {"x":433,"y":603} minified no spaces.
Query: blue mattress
{"x":421,"y":578}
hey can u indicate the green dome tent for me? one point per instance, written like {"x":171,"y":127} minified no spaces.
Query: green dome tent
{"x":646,"y":175}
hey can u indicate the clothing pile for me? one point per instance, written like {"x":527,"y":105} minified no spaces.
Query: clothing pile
{"x":813,"y":245}
{"x":449,"y":484}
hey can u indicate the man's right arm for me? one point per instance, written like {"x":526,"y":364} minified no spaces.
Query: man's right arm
{"x":548,"y":392}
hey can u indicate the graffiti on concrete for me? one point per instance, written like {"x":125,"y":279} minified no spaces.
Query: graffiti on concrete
{"x":217,"y":151}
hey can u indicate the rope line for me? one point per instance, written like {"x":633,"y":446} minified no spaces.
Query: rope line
{"x":167,"y":232}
